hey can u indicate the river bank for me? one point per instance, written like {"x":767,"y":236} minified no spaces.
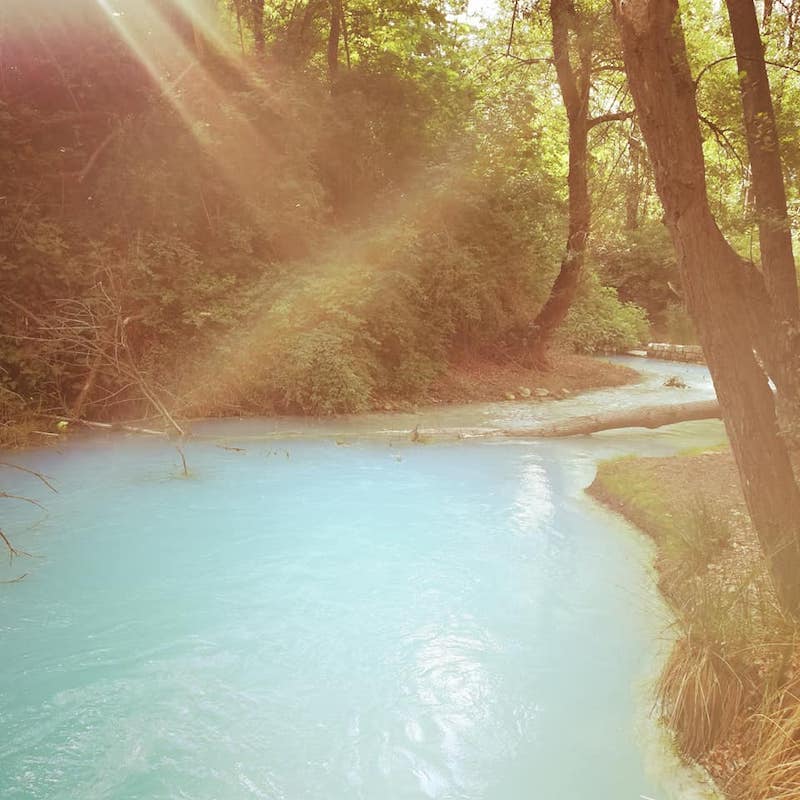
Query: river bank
{"x":466,"y":381}
{"x":482,"y":381}
{"x":730,"y":690}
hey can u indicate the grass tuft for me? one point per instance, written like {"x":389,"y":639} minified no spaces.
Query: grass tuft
{"x":774,"y":772}
{"x":701,"y":695}
{"x":696,"y":540}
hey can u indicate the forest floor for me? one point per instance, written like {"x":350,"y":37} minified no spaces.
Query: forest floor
{"x":484,"y":381}
{"x":730,"y":688}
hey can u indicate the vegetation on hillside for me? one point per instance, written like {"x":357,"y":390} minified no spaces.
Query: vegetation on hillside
{"x":207,"y":211}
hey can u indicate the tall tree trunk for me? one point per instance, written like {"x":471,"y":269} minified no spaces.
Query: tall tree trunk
{"x":334,"y":34}
{"x":774,"y":231}
{"x":238,"y":10}
{"x":574,"y":84}
{"x":299,"y":38}
{"x":257,"y":26}
{"x":720,"y":293}
{"x":633,"y":187}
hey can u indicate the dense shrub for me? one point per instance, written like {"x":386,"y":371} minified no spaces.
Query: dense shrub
{"x":599,"y":321}
{"x":640,"y":264}
{"x":325,"y":372}
{"x":267,"y":239}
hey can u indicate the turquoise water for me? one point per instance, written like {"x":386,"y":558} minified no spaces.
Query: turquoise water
{"x":305,"y":620}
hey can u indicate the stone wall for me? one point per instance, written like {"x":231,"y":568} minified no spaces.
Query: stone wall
{"x":676,"y":352}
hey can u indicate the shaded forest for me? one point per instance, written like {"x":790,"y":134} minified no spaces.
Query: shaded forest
{"x":296,"y":208}
{"x":240,"y":207}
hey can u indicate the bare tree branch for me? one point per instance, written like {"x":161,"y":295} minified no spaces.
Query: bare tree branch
{"x":511,"y":31}
{"x":707,"y":67}
{"x":12,"y":551}
{"x":611,"y":117}
{"x":529,"y":61}
{"x":30,"y":500}
{"x":82,"y":175}
{"x":722,"y":138}
{"x":33,"y":472}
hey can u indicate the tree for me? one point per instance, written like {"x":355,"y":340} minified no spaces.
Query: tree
{"x":575,"y":84}
{"x":574,"y":71}
{"x":726,"y":295}
{"x":336,"y":28}
{"x":774,"y":231}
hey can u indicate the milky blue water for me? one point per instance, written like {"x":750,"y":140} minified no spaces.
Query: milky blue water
{"x":311,"y":621}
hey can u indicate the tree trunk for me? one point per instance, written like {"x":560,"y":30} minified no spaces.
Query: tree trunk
{"x":238,"y":11}
{"x":774,"y":231}
{"x":633,"y":187}
{"x":718,"y":289}
{"x":257,"y":26}
{"x":642,"y":417}
{"x":574,"y":85}
{"x":334,"y":34}
{"x":202,"y":19}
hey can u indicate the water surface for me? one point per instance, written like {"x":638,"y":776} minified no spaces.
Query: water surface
{"x":305,"y":620}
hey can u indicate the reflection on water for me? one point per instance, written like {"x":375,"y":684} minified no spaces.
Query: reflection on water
{"x":533,"y":508}
{"x":383,"y":620}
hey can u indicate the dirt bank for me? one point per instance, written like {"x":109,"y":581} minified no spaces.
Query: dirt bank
{"x":482,"y":381}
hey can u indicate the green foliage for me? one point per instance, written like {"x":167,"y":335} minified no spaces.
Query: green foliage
{"x":338,"y":222}
{"x":698,"y":538}
{"x":324,"y":239}
{"x":677,"y":326}
{"x":599,"y":322}
{"x":641,"y":265}
{"x":325,"y":373}
{"x":401,"y":298}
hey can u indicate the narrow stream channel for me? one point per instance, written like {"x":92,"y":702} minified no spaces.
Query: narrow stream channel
{"x":301,"y":620}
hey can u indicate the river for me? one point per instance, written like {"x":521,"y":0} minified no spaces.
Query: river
{"x":305,"y":620}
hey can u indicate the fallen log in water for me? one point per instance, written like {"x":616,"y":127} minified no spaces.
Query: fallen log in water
{"x":642,"y":417}
{"x":115,"y":426}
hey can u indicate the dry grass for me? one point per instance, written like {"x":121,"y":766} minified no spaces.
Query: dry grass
{"x":21,"y":431}
{"x":701,"y":694}
{"x":774,"y":772}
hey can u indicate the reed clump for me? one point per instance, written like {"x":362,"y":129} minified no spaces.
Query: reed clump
{"x":701,"y":694}
{"x":774,"y":730}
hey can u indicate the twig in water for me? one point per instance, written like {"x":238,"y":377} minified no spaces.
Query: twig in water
{"x":12,"y":551}
{"x":183,"y":460}
{"x":30,"y":500}
{"x":42,"y":478}
{"x":17,"y":579}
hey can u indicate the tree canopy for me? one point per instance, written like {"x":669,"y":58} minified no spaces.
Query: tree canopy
{"x":248,"y":206}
